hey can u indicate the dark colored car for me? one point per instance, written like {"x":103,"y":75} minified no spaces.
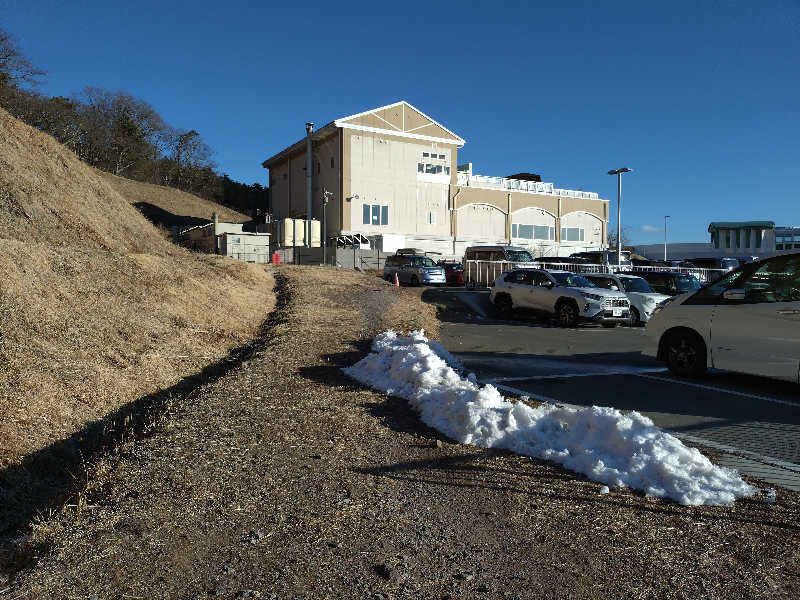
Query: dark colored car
{"x":453,"y":273}
{"x":670,"y":283}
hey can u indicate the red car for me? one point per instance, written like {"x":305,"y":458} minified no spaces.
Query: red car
{"x":453,"y":273}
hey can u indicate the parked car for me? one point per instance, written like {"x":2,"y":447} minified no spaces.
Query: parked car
{"x":670,"y":283}
{"x":747,"y":321}
{"x":566,"y":296}
{"x":727,"y":263}
{"x":453,"y":272}
{"x":607,"y":258}
{"x":413,"y":268}
{"x":641,"y":296}
{"x":482,"y":264}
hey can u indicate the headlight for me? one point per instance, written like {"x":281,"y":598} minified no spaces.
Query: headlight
{"x":649,"y":301}
{"x":661,"y":305}
{"x":594,"y":297}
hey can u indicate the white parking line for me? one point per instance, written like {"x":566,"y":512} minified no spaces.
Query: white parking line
{"x":628,"y":371}
{"x":519,"y":392}
{"x":714,"y":388}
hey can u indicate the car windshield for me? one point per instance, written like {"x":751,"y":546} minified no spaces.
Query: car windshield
{"x":636,"y":284}
{"x":687,"y":283}
{"x":427,"y":262}
{"x":572,"y":280}
{"x":519,"y":256}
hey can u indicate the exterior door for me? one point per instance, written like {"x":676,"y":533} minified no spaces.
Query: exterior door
{"x":541,"y":293}
{"x":519,"y":283}
{"x":760,"y":333}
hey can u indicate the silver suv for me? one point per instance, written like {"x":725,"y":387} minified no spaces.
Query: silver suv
{"x":566,"y":296}
{"x":414,"y":269}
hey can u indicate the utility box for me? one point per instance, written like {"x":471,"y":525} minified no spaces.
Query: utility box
{"x":249,"y":247}
{"x":292,"y":232}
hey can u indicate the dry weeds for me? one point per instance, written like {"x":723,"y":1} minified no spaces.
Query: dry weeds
{"x":97,"y":308}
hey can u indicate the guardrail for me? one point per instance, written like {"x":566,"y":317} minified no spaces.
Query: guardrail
{"x":482,"y":273}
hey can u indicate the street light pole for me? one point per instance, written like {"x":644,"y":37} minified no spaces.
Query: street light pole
{"x":665,"y":237}
{"x":618,"y":173}
{"x":326,"y":195}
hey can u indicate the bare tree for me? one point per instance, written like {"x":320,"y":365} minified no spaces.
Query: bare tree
{"x":612,"y":238}
{"x":15,"y":68}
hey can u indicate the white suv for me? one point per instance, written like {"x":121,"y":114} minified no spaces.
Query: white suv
{"x":561,"y":294}
{"x":747,"y":321}
{"x":641,"y":296}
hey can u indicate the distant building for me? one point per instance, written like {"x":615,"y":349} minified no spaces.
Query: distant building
{"x":395,"y":183}
{"x":731,"y":238}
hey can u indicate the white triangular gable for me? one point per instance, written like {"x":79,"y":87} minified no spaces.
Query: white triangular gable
{"x":403,"y":120}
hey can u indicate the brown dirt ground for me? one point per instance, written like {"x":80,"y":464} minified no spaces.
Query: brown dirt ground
{"x":281,"y":478}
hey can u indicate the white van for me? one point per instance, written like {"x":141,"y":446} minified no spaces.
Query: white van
{"x":483,"y":264}
{"x":608,"y":258}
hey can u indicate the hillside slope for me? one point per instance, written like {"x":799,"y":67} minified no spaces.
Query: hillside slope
{"x":169,"y":206}
{"x":97,"y":308}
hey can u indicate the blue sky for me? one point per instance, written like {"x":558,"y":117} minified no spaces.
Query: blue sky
{"x":701,"y":99}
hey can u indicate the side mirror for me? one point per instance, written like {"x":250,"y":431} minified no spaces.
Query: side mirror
{"x":737,"y":294}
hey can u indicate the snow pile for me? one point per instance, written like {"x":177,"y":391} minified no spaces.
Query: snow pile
{"x":600,"y":442}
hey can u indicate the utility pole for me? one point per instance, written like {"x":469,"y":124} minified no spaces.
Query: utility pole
{"x":309,"y":182}
{"x":326,"y":195}
{"x":618,"y":173}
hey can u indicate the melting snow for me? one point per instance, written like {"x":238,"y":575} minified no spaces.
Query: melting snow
{"x":602,"y":443}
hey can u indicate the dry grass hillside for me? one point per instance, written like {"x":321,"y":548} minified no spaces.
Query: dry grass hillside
{"x":97,"y":308}
{"x":168,"y":206}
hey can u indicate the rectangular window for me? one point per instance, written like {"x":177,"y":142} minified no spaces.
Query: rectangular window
{"x":431,"y":218}
{"x":384,"y":215}
{"x":758,"y":238}
{"x":366,"y":214}
{"x":447,"y":170}
{"x":525,"y":232}
{"x":541,"y":232}
{"x":715,"y":239}
{"x":727,"y":238}
{"x":738,"y":239}
{"x":331,"y":162}
{"x":420,"y":168}
{"x":425,"y":155}
{"x":513,"y":230}
{"x":433,"y":169}
{"x":778,"y":246}
{"x":563,"y":234}
{"x":441,"y":156}
{"x":746,"y":243}
{"x":552,"y":233}
{"x":376,"y":214}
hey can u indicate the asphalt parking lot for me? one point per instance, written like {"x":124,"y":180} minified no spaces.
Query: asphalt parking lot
{"x":752,"y":422}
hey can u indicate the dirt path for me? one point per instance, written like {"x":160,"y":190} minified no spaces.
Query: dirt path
{"x":284,"y":479}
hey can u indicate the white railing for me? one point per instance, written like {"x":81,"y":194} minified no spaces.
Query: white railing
{"x":482,"y":273}
{"x":504,"y":183}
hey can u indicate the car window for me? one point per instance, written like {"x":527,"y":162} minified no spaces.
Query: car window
{"x":520,"y":277}
{"x":636,"y":284}
{"x":540,"y":279}
{"x":776,"y":280}
{"x":571,"y":280}
{"x":603,"y":282}
{"x":686,"y":283}
{"x":518,"y":256}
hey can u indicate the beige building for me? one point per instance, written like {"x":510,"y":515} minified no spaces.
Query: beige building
{"x":394,"y":177}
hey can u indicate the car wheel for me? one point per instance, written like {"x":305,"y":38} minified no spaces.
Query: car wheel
{"x":504,"y":305}
{"x":634,"y":318}
{"x":685,"y":353}
{"x":567,"y":313}
{"x":414,"y":280}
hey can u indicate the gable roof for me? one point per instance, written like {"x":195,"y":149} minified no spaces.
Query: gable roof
{"x":399,"y":119}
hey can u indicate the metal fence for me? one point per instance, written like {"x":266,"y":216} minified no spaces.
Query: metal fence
{"x":482,"y":273}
